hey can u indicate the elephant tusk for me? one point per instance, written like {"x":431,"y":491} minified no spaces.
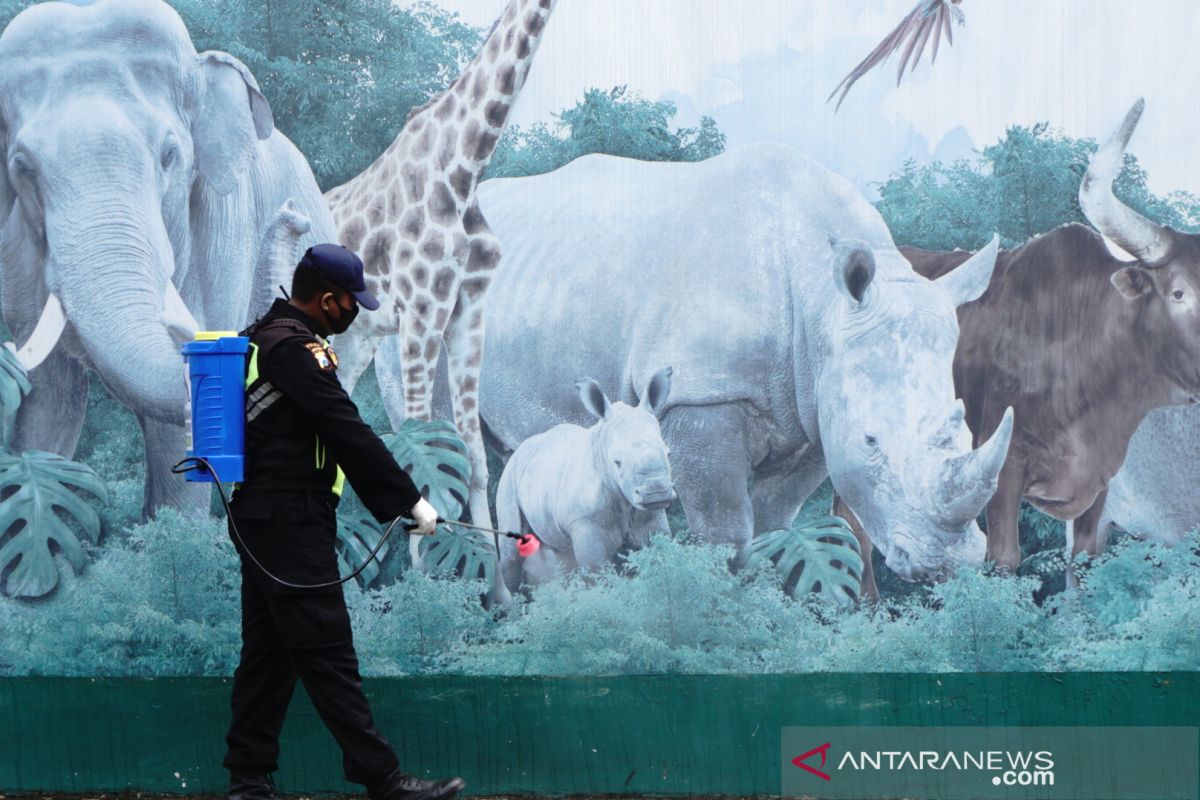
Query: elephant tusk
{"x":176,"y":317}
{"x":46,"y":334}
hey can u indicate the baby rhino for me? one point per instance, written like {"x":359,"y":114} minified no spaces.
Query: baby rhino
{"x":587,"y":492}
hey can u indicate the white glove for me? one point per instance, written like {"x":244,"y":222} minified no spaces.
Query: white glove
{"x":425,"y":516}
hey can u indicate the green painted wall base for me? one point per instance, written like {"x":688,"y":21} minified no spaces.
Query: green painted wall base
{"x":668,"y":734}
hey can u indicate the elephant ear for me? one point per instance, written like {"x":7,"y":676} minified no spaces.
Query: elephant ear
{"x":230,"y":119}
{"x":7,"y":195}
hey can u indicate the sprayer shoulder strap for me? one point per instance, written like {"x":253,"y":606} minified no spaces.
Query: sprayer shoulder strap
{"x":264,"y":337}
{"x":268,"y":335}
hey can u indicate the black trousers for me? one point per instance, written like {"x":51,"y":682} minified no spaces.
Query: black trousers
{"x":290,"y":634}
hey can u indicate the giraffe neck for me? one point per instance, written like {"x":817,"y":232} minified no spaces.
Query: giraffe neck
{"x":480,"y":100}
{"x":413,"y":211}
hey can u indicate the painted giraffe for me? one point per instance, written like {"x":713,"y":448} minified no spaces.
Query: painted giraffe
{"x":427,"y":250}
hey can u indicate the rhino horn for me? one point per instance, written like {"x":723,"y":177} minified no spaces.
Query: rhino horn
{"x":971,"y":478}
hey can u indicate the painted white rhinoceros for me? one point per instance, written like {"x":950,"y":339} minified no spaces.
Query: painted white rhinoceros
{"x":793,"y":358}
{"x":587,"y":492}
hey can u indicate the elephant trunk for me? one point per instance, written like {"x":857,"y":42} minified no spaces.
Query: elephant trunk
{"x":277,"y":255}
{"x":112,"y":278}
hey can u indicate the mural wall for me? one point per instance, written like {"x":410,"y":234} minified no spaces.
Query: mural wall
{"x":790,"y":365}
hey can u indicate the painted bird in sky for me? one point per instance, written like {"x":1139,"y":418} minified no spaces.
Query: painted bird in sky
{"x":929,"y":19}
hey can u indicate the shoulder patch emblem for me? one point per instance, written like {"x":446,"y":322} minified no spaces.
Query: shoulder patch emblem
{"x":318,"y":353}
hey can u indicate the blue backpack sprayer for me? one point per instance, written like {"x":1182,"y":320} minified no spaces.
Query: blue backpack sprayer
{"x":215,"y":377}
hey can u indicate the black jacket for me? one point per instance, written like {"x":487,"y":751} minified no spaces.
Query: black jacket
{"x":303,"y":430}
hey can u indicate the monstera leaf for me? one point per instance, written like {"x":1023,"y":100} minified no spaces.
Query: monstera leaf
{"x":37,"y":497}
{"x":471,"y":554}
{"x":13,"y":384}
{"x":436,"y":458}
{"x":355,"y":541}
{"x":459,"y":551}
{"x":818,"y":555}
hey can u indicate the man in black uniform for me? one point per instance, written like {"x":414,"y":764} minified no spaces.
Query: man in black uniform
{"x":302,"y":432}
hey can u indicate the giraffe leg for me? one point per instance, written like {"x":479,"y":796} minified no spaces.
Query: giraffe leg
{"x":464,"y":350}
{"x":354,"y":351}
{"x":388,"y":372}
{"x":421,"y":344}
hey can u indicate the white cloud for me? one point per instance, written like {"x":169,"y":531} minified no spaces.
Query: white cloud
{"x":764,"y":67}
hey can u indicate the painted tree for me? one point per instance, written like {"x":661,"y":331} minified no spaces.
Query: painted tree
{"x":615,"y":122}
{"x":1025,"y":184}
{"x":341,"y":75}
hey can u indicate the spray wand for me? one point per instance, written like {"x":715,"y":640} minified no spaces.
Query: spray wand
{"x":527,"y":543}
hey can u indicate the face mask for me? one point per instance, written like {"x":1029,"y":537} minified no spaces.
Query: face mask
{"x":342,"y":322}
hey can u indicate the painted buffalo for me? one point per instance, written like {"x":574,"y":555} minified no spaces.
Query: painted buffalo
{"x":1082,"y":344}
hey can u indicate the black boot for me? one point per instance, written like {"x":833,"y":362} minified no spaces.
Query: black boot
{"x":251,"y":786}
{"x":402,"y":786}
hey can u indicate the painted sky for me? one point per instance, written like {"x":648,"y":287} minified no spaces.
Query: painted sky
{"x":763,"y":68}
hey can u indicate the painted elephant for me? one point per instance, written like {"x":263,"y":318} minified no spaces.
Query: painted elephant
{"x":1154,"y":495}
{"x":139,"y":180}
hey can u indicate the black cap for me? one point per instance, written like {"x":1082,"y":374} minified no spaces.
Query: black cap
{"x":342,"y":267}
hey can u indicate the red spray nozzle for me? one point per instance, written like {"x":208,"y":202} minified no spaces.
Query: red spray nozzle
{"x":527,"y":543}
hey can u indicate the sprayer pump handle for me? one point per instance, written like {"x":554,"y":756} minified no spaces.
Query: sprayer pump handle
{"x":410,"y":526}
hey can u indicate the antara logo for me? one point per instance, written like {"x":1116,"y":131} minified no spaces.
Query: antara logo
{"x":799,"y":760}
